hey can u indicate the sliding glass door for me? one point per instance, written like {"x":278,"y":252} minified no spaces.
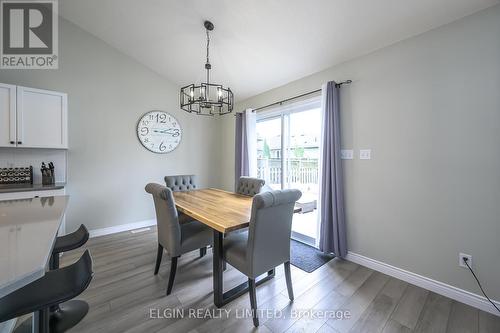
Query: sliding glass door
{"x":288,"y":157}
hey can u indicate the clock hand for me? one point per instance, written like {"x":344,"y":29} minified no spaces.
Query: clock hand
{"x":171,"y":131}
{"x":160,"y":131}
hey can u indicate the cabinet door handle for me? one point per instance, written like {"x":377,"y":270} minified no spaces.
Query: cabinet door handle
{"x":19,"y":142}
{"x":12,"y":142}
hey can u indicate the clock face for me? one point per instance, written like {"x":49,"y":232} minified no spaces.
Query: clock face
{"x":159,"y":132}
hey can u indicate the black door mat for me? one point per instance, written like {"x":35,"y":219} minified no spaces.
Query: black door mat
{"x":306,"y":257}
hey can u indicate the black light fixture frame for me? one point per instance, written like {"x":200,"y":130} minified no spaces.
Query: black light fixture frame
{"x":196,"y":98}
{"x":222,"y":105}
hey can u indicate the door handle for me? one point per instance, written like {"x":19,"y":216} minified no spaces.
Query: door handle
{"x":19,"y":142}
{"x":12,"y":142}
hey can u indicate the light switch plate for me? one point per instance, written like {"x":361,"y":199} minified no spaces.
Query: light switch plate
{"x":346,"y":154}
{"x":365,"y":154}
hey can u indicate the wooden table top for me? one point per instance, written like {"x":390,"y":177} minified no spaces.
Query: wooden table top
{"x":221,"y":210}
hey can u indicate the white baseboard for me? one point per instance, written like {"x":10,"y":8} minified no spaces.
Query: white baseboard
{"x":441,"y":288}
{"x":121,"y":228}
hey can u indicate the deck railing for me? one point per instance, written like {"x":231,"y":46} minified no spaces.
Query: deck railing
{"x":299,"y":171}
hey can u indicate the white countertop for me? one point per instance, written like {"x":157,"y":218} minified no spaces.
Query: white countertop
{"x":28,"y":228}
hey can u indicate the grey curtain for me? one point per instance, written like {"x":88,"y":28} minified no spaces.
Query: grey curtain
{"x":241,"y":163}
{"x":333,"y":237}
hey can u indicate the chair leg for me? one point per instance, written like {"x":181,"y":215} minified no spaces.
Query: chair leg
{"x":173,"y":268}
{"x":42,"y":321}
{"x":203,"y":251}
{"x":253,"y":301}
{"x":288,"y":277}
{"x":158,"y":258}
{"x":54,"y":261}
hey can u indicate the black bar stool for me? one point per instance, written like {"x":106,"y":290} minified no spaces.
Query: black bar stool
{"x":53,"y":288}
{"x":68,"y":242}
{"x":66,"y":315}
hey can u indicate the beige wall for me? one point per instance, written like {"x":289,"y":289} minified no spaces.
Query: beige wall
{"x":429,"y":108}
{"x":107,"y":166}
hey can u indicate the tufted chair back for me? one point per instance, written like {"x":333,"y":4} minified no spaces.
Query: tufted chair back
{"x":181,"y":182}
{"x":249,"y":186}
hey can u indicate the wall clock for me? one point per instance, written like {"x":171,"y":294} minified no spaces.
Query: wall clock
{"x":159,"y":132}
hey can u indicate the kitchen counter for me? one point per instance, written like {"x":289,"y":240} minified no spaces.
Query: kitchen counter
{"x":28,"y":228}
{"x":10,"y":188}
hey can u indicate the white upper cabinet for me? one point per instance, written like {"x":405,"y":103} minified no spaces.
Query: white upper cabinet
{"x":33,"y":118}
{"x":7,"y":115}
{"x":41,"y":118}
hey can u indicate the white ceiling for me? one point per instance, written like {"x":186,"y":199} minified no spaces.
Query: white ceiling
{"x":257,"y":44}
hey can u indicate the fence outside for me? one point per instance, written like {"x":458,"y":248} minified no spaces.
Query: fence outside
{"x":300,"y":170}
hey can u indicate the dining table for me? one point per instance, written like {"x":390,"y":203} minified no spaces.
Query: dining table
{"x":224,"y":212}
{"x":28,"y":230}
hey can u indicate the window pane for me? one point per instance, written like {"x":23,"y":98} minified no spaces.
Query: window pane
{"x":269,"y":151}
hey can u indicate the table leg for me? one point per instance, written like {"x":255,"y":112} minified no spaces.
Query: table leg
{"x":218,"y":269}
{"x":221,"y":298}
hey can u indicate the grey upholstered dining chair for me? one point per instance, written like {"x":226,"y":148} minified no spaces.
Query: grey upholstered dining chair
{"x":267,"y":242}
{"x":174,"y":237}
{"x":249,"y":186}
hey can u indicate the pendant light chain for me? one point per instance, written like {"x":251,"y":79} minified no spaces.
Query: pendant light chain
{"x":207,"y":65}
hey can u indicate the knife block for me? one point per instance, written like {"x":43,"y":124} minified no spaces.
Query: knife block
{"x":48,"y":179}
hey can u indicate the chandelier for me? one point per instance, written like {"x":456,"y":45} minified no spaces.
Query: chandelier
{"x":207,"y":98}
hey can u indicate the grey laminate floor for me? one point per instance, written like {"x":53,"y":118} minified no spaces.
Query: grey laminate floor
{"x":124,"y":293}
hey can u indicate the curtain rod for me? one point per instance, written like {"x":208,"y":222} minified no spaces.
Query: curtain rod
{"x":298,"y":96}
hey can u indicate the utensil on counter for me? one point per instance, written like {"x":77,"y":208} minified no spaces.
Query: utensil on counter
{"x":48,"y":177}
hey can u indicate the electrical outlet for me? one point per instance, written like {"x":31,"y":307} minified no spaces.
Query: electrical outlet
{"x":461,"y":261}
